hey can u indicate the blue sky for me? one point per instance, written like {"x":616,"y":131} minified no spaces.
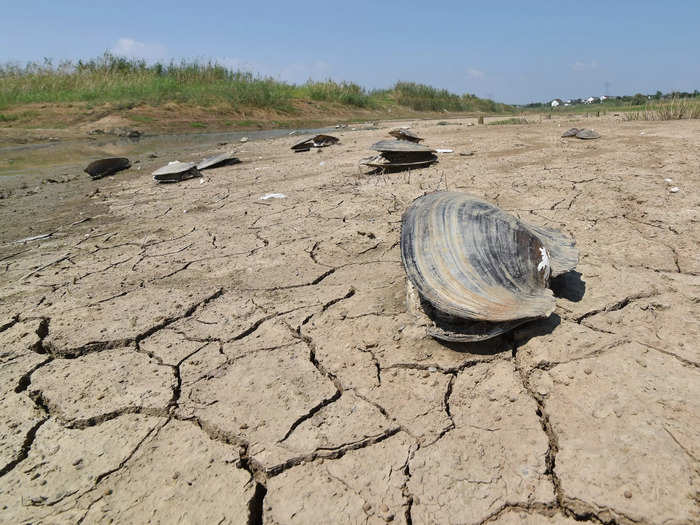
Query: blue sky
{"x":514,"y":52}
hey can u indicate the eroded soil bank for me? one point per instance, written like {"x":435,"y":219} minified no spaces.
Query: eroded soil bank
{"x":191,"y":353}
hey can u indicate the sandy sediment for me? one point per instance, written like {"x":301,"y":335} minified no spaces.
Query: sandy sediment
{"x":190,"y":353}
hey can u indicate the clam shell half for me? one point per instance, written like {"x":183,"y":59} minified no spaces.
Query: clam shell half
{"x":474,"y":263}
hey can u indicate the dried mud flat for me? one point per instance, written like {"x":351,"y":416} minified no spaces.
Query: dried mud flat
{"x":189,"y":353}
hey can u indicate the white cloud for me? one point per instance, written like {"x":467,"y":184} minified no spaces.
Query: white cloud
{"x":475,"y":73}
{"x":584,"y":66}
{"x":130,"y":48}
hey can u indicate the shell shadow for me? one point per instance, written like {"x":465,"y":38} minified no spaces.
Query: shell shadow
{"x":536,"y":328}
{"x":508,"y":341}
{"x":569,"y":286}
{"x":393,"y":169}
{"x":493,"y":346}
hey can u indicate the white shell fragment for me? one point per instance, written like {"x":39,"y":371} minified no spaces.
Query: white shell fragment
{"x":273,"y":196}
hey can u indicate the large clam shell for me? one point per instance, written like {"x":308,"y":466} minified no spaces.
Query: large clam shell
{"x":478,"y":266}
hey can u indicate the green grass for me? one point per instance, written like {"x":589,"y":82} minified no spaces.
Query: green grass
{"x":129,"y":83}
{"x":513,"y":120}
{"x":426,"y":98}
{"x":141,"y":118}
{"x":247,"y":123}
{"x":126,"y":83}
{"x":346,"y":93}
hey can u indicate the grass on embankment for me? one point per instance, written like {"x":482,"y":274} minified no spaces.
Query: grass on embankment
{"x":113,"y":84}
{"x":671,"y":109}
{"x":676,"y":109}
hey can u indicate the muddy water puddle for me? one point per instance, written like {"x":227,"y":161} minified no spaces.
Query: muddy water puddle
{"x":66,"y":157}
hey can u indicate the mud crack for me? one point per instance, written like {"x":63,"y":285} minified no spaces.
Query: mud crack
{"x":24,"y":450}
{"x":98,"y":346}
{"x":619,"y":305}
{"x":571,"y":507}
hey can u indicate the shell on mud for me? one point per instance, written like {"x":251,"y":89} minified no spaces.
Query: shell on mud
{"x":587,"y":134}
{"x":404,"y":134}
{"x":400,"y":146}
{"x":477,"y":270}
{"x":176,"y":171}
{"x":318,"y":141}
{"x":570,"y":132}
{"x":222,"y":159}
{"x":104,"y":167}
{"x":385,"y":161}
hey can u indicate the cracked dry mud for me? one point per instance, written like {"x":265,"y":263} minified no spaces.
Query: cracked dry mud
{"x":189,"y":353}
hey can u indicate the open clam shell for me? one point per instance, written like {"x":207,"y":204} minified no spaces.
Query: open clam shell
{"x":222,"y":159}
{"x":317,"y":141}
{"x":481,"y":270}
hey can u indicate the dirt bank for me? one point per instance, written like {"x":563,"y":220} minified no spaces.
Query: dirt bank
{"x":31,"y":123}
{"x":191,"y":353}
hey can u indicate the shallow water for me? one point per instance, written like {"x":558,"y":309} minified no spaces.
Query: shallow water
{"x":67,"y":156}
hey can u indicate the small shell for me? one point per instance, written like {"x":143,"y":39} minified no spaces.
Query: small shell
{"x":404,"y":134}
{"x":176,"y":171}
{"x":570,"y":132}
{"x":587,"y":134}
{"x":104,"y":167}
{"x":480,"y":270}
{"x":407,"y":161}
{"x":318,"y":141}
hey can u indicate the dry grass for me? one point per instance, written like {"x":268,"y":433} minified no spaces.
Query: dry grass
{"x":514,"y":120}
{"x":676,"y":109}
